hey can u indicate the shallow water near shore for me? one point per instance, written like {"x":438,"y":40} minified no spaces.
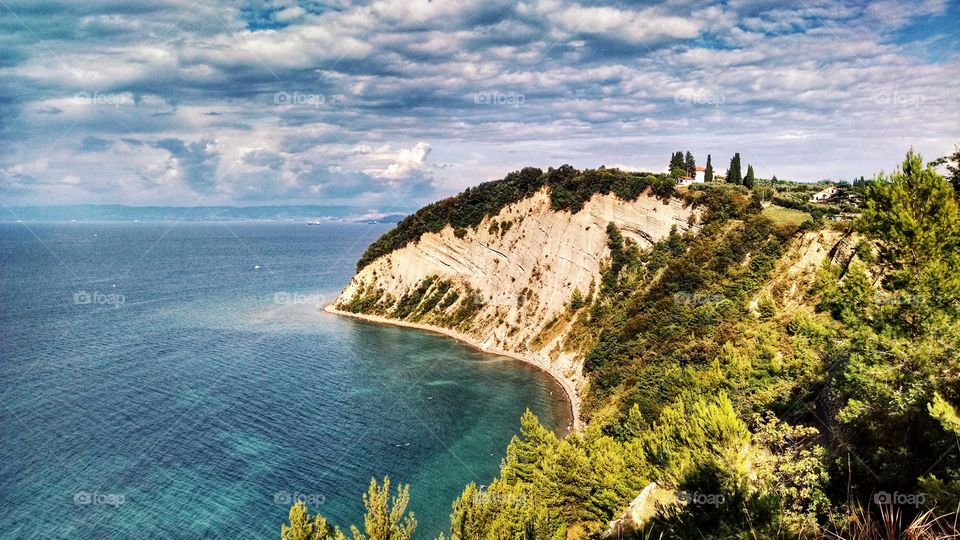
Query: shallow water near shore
{"x":181,"y":381}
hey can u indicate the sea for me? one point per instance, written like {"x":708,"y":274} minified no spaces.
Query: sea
{"x":180,"y":380}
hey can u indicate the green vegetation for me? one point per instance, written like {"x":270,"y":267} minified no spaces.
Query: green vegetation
{"x":952,"y":165}
{"x":386,"y":518}
{"x":750,"y":179}
{"x":741,"y":404}
{"x":783,"y":216}
{"x":434,"y":301}
{"x":682,"y":164}
{"x":733,"y":173}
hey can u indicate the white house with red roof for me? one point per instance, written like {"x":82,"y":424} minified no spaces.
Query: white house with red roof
{"x":697,"y":177}
{"x":824,"y":195}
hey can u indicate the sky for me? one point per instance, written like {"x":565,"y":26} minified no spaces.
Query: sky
{"x":393,"y":103}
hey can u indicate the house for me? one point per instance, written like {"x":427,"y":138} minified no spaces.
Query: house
{"x":698,"y":176}
{"x":824,"y":195}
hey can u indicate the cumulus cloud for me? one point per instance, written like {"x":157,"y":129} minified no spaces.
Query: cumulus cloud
{"x":409,"y":163}
{"x":195,"y":163}
{"x":131,"y":102}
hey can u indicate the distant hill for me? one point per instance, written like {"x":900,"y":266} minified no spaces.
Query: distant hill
{"x":116,"y":212}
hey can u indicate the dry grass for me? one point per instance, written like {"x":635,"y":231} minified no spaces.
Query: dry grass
{"x":889,"y":525}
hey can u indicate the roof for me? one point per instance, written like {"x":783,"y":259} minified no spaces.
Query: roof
{"x":701,"y":168}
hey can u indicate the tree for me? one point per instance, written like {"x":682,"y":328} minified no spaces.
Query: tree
{"x":774,"y":179}
{"x":303,"y":527}
{"x":526,"y":450}
{"x":749,"y":179}
{"x":913,"y":216}
{"x":677,"y":164}
{"x":953,"y":168}
{"x":689,"y":164}
{"x":385,"y":518}
{"x":708,"y":171}
{"x":898,"y":346}
{"x":733,"y":173}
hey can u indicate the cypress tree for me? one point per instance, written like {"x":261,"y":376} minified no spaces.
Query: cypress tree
{"x":708,"y":172}
{"x":733,"y":173}
{"x":749,"y":179}
{"x":689,"y":164}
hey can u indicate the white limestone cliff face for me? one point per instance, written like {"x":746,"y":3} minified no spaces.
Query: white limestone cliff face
{"x":526,"y":275}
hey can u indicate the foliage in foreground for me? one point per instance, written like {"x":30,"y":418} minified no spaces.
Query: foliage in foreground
{"x":386,"y":518}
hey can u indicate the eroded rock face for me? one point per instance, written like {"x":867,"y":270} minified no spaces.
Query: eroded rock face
{"x":796,"y":273}
{"x":520,"y":267}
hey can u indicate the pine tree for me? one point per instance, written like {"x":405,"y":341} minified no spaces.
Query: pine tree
{"x":689,"y":164}
{"x":303,"y":526}
{"x":708,"y":172}
{"x":733,"y":173}
{"x":774,"y":179}
{"x":526,"y":450}
{"x":386,"y":519}
{"x":749,"y":180}
{"x":915,"y":217}
{"x":953,"y":169}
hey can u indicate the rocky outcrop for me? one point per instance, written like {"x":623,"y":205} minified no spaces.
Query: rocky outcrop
{"x":639,"y":512}
{"x":506,"y":286}
{"x":796,"y":273}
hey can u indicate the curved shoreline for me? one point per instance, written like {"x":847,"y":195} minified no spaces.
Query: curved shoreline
{"x":573,"y":400}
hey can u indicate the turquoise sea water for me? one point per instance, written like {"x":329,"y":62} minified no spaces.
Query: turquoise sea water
{"x":180,"y":381}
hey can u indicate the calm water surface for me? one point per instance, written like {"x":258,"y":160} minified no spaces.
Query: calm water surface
{"x":180,"y":381}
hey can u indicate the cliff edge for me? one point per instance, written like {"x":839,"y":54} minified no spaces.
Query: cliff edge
{"x":504,"y":285}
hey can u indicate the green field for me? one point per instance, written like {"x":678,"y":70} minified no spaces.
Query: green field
{"x":781,"y":215}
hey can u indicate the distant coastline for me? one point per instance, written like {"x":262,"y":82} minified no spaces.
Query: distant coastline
{"x":573,"y":400}
{"x":123,"y":213}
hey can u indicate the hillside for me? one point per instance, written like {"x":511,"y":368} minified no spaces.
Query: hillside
{"x":739,"y":377}
{"x":501,"y":283}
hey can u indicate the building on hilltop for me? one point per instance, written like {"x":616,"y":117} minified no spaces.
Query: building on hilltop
{"x":824,"y":195}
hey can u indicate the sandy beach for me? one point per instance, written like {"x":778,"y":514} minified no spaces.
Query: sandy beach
{"x":572,"y":398}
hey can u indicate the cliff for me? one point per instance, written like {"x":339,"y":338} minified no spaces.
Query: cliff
{"x":504,"y":285}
